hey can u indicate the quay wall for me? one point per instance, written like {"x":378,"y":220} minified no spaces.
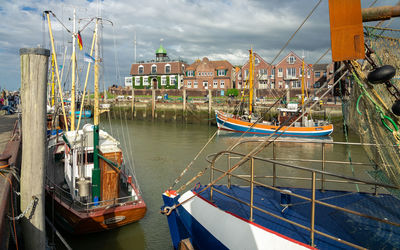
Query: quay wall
{"x":198,"y":111}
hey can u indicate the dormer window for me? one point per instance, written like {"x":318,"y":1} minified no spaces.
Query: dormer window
{"x":141,"y":69}
{"x":154,"y":69}
{"x":221,"y":72}
{"x":167,"y":69}
{"x":190,"y":73}
{"x":291,"y":59}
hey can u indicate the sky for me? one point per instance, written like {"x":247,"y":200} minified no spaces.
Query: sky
{"x":187,"y":29}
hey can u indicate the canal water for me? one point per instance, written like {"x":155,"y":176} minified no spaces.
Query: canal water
{"x":161,"y":150}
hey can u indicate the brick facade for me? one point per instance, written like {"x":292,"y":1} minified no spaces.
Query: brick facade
{"x":289,"y":71}
{"x":206,"y":74}
{"x":262,"y":74}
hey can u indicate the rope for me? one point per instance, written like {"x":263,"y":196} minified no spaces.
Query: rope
{"x":12,"y":208}
{"x":301,"y":25}
{"x":259,"y":147}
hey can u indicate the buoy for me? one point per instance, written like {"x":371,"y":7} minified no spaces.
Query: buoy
{"x":381,"y":74}
{"x":396,"y":108}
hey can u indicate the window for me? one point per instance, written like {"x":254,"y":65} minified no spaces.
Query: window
{"x":183,"y":68}
{"x":145,"y":80}
{"x":317,"y":74}
{"x":280,"y":84}
{"x":256,"y":61}
{"x":172,"y":80}
{"x":246,"y":73}
{"x":291,"y":59}
{"x":137,"y":81}
{"x":296,"y":84}
{"x":195,"y":85}
{"x":190,"y":73}
{"x":222,"y":84}
{"x":141,"y":69}
{"x":262,"y":72}
{"x":205,"y":84}
{"x":163,"y":80}
{"x":199,"y":74}
{"x":273,"y":73}
{"x":290,"y":72}
{"x":167,"y":69}
{"x":308,"y":73}
{"x":300,"y":72}
{"x":215,"y":84}
{"x":272,"y":85}
{"x":221,"y":72}
{"x":154,"y":69}
{"x":189,"y":84}
{"x":325,"y":73}
{"x":128,"y":81}
{"x":280,"y":72}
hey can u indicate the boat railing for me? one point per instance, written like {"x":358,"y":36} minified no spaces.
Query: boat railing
{"x":86,"y":207}
{"x":236,"y":162}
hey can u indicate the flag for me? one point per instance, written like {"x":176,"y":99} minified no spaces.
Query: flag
{"x":79,"y":40}
{"x":88,"y":58}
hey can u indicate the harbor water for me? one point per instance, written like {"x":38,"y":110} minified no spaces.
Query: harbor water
{"x":161,"y":150}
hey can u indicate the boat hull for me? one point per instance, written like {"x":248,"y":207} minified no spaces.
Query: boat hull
{"x":224,"y":223}
{"x":76,"y":222}
{"x":225,"y":122}
{"x":209,"y":227}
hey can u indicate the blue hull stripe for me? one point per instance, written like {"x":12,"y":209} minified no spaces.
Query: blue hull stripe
{"x":239,"y":128}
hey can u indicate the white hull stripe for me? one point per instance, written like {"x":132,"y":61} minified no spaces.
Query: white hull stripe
{"x":235,"y":232}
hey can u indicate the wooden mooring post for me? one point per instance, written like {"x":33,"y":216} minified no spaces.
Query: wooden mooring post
{"x":34,"y":66}
{"x":153,"y":103}
{"x":209,"y":106}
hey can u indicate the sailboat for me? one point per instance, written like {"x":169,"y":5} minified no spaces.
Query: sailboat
{"x":252,"y":124}
{"x":255,"y":200}
{"x":89,"y":186}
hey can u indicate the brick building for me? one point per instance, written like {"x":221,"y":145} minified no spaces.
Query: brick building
{"x":289,"y":72}
{"x":206,"y":74}
{"x":161,"y":73}
{"x":263,"y":74}
{"x":320,"y":74}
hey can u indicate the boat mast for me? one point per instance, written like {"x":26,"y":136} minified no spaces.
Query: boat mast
{"x":251,"y":82}
{"x":302,"y":89}
{"x":73,"y":74}
{"x":96,"y":169}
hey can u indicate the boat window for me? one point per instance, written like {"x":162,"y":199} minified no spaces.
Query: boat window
{"x":89,"y":158}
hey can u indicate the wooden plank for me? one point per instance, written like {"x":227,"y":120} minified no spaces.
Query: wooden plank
{"x":110,"y":176}
{"x":347,"y":38}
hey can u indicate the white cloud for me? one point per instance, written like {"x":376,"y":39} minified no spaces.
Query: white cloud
{"x":191,"y":29}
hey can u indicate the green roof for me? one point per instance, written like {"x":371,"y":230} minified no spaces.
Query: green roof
{"x":161,"y":50}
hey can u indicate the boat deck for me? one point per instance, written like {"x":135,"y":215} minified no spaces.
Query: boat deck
{"x":345,"y":226}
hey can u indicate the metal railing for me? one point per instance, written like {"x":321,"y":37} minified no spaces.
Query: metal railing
{"x":87,"y":207}
{"x":280,"y":162}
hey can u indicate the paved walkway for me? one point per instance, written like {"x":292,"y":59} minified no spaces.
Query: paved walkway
{"x":6,"y":127}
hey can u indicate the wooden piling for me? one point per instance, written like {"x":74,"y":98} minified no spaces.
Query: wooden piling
{"x":209,"y":106}
{"x":133,"y":101}
{"x":153,"y":103}
{"x":34,"y":66}
{"x":184,"y":105}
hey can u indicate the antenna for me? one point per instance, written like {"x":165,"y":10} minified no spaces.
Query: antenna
{"x":134,"y":43}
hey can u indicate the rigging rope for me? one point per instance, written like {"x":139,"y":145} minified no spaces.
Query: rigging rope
{"x":301,"y":25}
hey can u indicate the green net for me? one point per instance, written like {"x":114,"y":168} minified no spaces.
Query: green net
{"x":368,"y":111}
